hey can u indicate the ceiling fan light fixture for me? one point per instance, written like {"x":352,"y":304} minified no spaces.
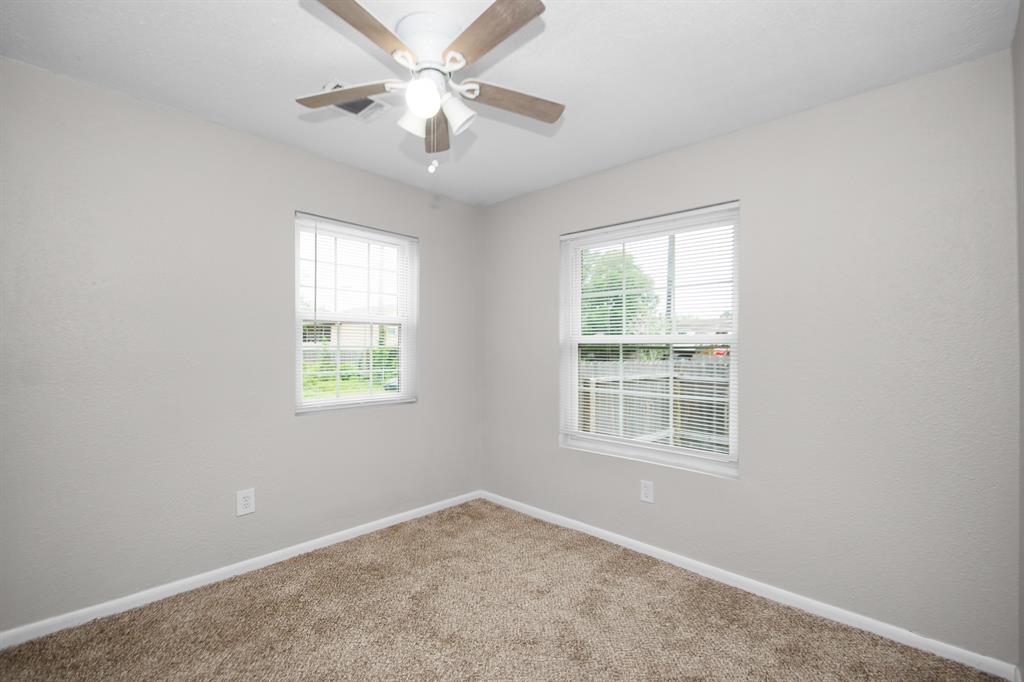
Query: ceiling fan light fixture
{"x":432,"y":46}
{"x":411,"y":123}
{"x":459,"y":115}
{"x":422,"y":96}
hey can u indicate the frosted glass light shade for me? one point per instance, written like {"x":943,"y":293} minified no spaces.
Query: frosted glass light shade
{"x":458,"y":114}
{"x":412,"y":123}
{"x":422,"y":97}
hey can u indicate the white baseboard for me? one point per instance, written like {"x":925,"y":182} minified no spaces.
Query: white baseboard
{"x":39,"y":628}
{"x":986,"y":664}
{"x":992,"y":666}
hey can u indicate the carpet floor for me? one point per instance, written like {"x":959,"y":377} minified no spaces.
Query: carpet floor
{"x":475,"y":592}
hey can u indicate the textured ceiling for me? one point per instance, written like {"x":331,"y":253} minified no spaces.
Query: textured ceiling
{"x":637,"y":77}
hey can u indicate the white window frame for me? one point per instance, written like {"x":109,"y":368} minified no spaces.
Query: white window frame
{"x":571,"y":338}
{"x":407,"y":317}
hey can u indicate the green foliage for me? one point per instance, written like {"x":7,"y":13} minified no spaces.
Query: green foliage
{"x":617,"y":294}
{"x":321,"y":378}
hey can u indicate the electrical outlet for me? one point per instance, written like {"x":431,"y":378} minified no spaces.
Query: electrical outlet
{"x":245,"y":502}
{"x":647,"y":491}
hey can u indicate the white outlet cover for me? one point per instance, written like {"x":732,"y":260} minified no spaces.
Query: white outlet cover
{"x":647,"y":491}
{"x":245,"y":502}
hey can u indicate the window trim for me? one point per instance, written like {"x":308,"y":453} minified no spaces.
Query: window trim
{"x":727,"y":213}
{"x":407,"y":346}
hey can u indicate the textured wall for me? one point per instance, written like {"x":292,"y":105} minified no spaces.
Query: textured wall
{"x":147,"y":350}
{"x":879,"y":346}
{"x":1018,"y":91}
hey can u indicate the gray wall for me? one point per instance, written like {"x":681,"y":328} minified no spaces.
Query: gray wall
{"x":879,"y":346}
{"x":1018,"y":90}
{"x":147,"y":350}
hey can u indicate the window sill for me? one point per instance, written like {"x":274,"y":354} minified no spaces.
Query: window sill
{"x":675,"y":460}
{"x":301,"y":410}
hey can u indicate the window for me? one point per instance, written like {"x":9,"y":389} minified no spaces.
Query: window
{"x":649,"y":340}
{"x":355,"y":310}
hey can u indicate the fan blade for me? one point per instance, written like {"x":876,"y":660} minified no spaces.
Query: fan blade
{"x":498,"y":22}
{"x":437,"y":133}
{"x":518,"y":102}
{"x":341,"y":95}
{"x":367,"y":24}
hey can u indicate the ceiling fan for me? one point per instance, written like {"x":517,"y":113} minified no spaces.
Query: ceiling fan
{"x":432,"y":48}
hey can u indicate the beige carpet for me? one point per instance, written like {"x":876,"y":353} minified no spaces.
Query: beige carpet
{"x":473,"y":592}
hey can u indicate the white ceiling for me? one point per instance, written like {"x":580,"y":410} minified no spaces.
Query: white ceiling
{"x":637,"y":77}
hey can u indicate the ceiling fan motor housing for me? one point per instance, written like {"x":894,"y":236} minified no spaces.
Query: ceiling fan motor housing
{"x":427,"y":35}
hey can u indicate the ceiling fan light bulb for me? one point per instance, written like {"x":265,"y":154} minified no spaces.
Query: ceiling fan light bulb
{"x":411,"y":123}
{"x":423,"y":98}
{"x":458,"y":114}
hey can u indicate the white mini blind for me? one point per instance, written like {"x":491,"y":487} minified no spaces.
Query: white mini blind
{"x":355,"y":314}
{"x":649,"y":340}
